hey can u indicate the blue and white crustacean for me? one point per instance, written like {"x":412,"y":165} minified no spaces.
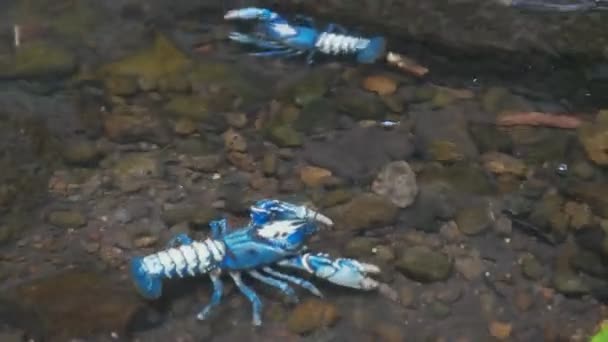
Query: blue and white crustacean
{"x":276,"y":236}
{"x":279,"y":37}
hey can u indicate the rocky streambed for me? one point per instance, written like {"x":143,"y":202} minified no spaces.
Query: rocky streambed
{"x":114,"y":142}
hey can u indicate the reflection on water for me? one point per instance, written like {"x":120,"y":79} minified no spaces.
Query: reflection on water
{"x":125,"y":123}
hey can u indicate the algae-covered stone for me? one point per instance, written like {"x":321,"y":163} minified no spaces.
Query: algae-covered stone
{"x":443,"y":136}
{"x":121,"y":85}
{"x":593,"y":193}
{"x":67,"y":219}
{"x":81,"y":152}
{"x":550,"y":218}
{"x":360,"y":247}
{"x":364,"y":211}
{"x":160,"y":60}
{"x":37,"y":59}
{"x":76,"y":305}
{"x":191,"y":107}
{"x":425,"y":265}
{"x":569,"y":283}
{"x":309,"y":88}
{"x":473,"y":220}
{"x":237,"y":84}
{"x":498,"y":99}
{"x":501,"y":163}
{"x":131,"y":172}
{"x":311,"y":315}
{"x":531,"y":267}
{"x":285,"y":136}
{"x":333,"y":198}
{"x":445,"y":151}
{"x":464,"y":177}
{"x":12,"y":227}
{"x":134,"y":127}
{"x":594,"y":137}
{"x":360,"y":105}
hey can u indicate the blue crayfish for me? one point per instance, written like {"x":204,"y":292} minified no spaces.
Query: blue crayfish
{"x":279,"y":37}
{"x":276,"y":236}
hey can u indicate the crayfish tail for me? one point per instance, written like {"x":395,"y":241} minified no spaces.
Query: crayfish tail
{"x":149,"y":286}
{"x":375,"y":50}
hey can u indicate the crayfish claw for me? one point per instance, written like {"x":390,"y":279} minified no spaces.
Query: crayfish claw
{"x":250,"y":13}
{"x":369,"y":268}
{"x":341,"y":271}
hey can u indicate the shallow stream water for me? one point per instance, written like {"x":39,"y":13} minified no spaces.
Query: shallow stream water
{"x":122,"y":125}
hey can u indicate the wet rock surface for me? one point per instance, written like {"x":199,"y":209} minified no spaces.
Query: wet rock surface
{"x":360,"y":153}
{"x":121,"y":141}
{"x":504,"y":28}
{"x":76,"y":304}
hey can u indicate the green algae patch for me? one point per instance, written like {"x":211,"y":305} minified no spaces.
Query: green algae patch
{"x":37,"y":59}
{"x":602,"y":334}
{"x":191,"y":107}
{"x":152,"y":64}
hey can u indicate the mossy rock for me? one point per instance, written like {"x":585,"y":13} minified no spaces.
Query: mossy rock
{"x":317,"y":115}
{"x":309,"y":89}
{"x":191,"y":107}
{"x":461,"y":176}
{"x":37,"y":59}
{"x":284,"y":135}
{"x":160,"y":60}
{"x":234,"y":81}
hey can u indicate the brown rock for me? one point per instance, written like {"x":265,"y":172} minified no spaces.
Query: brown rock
{"x":382,"y":85}
{"x":387,"y":332}
{"x":579,"y":213}
{"x":594,"y":137}
{"x":523,"y":300}
{"x":234,"y":141}
{"x":77,"y":304}
{"x":237,"y":120}
{"x":185,"y":126}
{"x":500,"y":330}
{"x":313,"y":176}
{"x":270,"y":163}
{"x":134,"y":170}
{"x":206,"y":163}
{"x":470,"y":266}
{"x":242,"y":161}
{"x":364,"y":211}
{"x":126,"y":128}
{"x":67,"y":219}
{"x":311,"y":315}
{"x":501,"y":163}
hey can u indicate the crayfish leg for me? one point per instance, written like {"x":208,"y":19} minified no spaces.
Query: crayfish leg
{"x":216,"y":297}
{"x":295,"y":280}
{"x":281,"y":285}
{"x":256,"y":303}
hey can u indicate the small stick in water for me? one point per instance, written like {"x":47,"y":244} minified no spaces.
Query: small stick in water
{"x":17,"y":35}
{"x":406,"y":64}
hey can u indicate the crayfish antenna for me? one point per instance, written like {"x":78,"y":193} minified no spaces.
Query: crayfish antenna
{"x":150,"y":286}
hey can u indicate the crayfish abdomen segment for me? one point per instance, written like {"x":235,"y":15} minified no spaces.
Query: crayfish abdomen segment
{"x":193,"y":259}
{"x":148,"y":285}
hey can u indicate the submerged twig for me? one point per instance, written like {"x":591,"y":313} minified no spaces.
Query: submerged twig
{"x":17,"y":35}
{"x":530,"y":229}
{"x":406,"y":64}
{"x":539,"y":119}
